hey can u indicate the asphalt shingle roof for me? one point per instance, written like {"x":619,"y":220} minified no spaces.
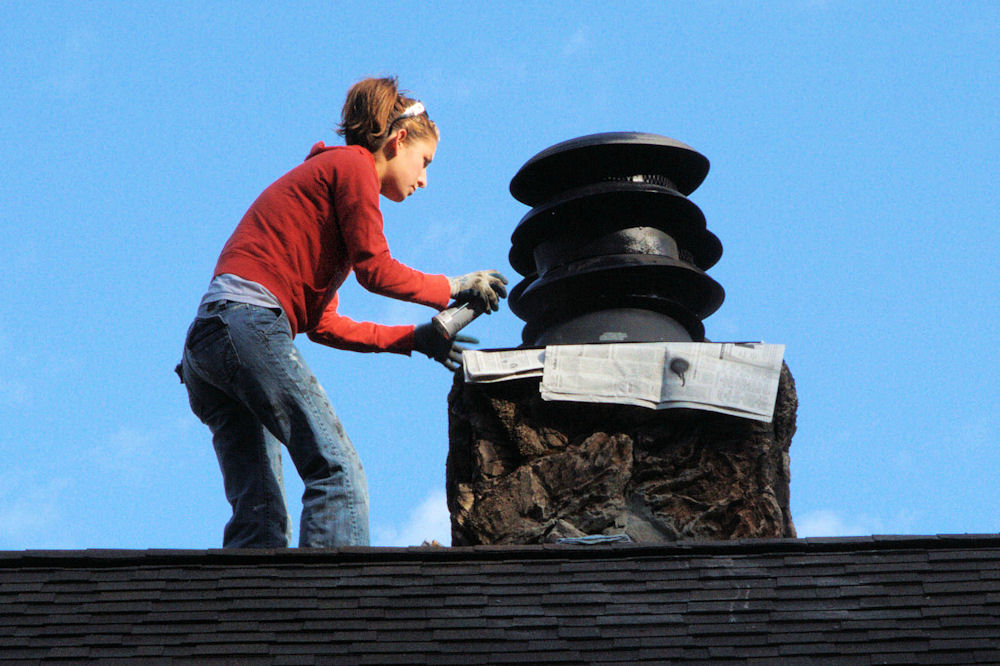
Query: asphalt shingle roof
{"x":853,"y":600}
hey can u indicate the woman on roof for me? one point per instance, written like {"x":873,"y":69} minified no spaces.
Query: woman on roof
{"x":278,"y":276}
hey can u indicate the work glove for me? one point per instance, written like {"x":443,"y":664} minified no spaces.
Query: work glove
{"x":428,"y":340}
{"x":484,"y":288}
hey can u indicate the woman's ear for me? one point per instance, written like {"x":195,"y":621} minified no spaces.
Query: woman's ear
{"x":392,"y":145}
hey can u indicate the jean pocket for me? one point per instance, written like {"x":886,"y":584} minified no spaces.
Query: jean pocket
{"x":269,"y":321}
{"x":203,"y":332}
{"x":211,"y":348}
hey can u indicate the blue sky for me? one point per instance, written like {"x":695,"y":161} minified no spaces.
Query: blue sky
{"x":854,"y":148}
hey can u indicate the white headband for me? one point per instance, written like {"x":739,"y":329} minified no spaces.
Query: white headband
{"x":414,"y":109}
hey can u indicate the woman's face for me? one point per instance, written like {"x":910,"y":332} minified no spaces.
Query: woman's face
{"x":407,"y":169}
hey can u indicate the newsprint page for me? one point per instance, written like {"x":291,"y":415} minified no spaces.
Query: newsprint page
{"x":737,"y":378}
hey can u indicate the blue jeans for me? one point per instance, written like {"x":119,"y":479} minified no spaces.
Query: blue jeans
{"x":248,"y":383}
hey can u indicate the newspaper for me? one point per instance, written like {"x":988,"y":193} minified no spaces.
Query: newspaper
{"x":731,"y":378}
{"x":497,"y":366}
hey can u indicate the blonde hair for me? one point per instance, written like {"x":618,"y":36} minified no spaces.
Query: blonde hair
{"x":372,"y":112}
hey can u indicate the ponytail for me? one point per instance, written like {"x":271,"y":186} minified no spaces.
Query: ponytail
{"x":374,"y":108}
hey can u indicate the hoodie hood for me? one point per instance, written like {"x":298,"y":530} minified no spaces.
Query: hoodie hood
{"x":320,"y":147}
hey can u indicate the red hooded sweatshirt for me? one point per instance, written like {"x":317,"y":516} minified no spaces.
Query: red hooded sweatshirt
{"x":305,"y":233}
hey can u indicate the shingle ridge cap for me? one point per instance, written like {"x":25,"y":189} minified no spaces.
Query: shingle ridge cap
{"x":151,"y":557}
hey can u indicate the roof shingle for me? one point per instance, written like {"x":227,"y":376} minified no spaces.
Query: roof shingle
{"x":859,"y":600}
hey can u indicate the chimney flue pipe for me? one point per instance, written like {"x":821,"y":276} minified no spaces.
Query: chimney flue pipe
{"x":613,"y":250}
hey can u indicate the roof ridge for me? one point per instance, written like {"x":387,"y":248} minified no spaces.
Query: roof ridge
{"x":128,"y":557}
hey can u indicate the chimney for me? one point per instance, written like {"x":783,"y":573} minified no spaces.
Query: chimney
{"x":613,"y":251}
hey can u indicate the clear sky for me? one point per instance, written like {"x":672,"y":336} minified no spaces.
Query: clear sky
{"x":855,"y":148}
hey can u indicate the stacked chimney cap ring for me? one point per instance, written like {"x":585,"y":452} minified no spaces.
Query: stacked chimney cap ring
{"x":595,"y":157}
{"x":612,"y":248}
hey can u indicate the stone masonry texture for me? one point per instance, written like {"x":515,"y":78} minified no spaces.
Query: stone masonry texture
{"x":524,"y":471}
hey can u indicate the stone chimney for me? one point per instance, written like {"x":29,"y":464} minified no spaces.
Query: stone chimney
{"x":613,"y":251}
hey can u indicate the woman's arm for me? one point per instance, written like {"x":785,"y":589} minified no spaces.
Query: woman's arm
{"x":336,"y":330}
{"x":355,"y":198}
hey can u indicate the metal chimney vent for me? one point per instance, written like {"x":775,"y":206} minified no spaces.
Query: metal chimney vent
{"x":613,"y":250}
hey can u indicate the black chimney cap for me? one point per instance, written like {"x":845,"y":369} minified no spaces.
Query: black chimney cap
{"x":608,"y":156}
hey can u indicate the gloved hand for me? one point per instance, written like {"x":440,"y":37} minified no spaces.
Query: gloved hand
{"x":483,"y":287}
{"x":428,"y":340}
